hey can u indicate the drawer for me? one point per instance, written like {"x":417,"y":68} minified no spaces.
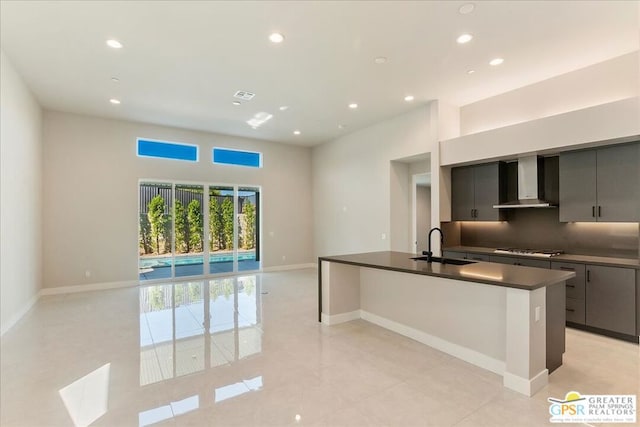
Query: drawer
{"x":539,"y":263}
{"x":576,"y":285}
{"x":478,"y":257}
{"x":454,"y":254}
{"x":575,"y":310}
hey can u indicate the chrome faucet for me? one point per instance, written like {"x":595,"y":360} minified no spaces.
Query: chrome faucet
{"x":428,"y":252}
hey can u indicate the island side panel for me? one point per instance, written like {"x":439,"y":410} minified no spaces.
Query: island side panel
{"x":556,"y":320}
{"x":340,"y":290}
{"x":525,"y":369}
{"x":464,"y":319}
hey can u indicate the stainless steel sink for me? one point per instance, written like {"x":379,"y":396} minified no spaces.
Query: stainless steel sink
{"x":444,"y":260}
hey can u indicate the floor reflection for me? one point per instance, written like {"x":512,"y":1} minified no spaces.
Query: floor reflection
{"x":192,"y":326}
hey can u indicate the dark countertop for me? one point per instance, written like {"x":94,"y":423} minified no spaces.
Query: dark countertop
{"x":582,"y":259}
{"x":511,"y":276}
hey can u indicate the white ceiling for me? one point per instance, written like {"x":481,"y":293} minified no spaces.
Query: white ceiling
{"x":182,"y":61}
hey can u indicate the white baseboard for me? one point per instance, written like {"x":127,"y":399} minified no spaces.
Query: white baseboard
{"x":17,"y":316}
{"x":90,"y":287}
{"x":528,"y":387}
{"x":289,"y":267}
{"x":475,"y":358}
{"x":340,"y":318}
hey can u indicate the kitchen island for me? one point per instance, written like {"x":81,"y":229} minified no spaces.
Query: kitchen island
{"x":503,"y":318}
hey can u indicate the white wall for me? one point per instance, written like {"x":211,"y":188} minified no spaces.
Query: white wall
{"x":352,"y":180}
{"x":20,"y":196}
{"x":91,"y":176}
{"x":597,"y":84}
{"x":618,"y":120}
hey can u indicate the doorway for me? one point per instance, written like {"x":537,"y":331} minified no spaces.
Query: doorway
{"x":182,"y":233}
{"x":421,"y":203}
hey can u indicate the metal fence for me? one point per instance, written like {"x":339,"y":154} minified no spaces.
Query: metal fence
{"x":184,"y":194}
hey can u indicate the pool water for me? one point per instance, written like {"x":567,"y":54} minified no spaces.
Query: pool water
{"x":165,"y":261}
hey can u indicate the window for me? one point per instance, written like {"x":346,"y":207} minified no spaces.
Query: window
{"x":167,"y":150}
{"x":227,"y":156}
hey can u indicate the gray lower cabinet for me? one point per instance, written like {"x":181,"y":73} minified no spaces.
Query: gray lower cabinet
{"x":575,"y":290}
{"x":610,"y":296}
{"x":454,"y":254}
{"x":466,"y":255}
{"x":539,"y":263}
{"x":478,"y":257}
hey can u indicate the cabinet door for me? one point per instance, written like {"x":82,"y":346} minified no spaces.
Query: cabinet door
{"x":575,"y":286}
{"x":487,"y":188}
{"x":618,"y":183}
{"x":462,"y":204}
{"x":611,"y":298}
{"x":578,"y":186}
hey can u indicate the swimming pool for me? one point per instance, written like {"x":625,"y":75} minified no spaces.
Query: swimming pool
{"x":165,"y":261}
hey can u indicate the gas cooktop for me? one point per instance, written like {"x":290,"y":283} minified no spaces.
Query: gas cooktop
{"x":545,"y":253}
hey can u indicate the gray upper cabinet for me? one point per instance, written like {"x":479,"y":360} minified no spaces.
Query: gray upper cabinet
{"x":601,"y":185}
{"x":578,"y":186}
{"x":474,"y":191}
{"x":462,"y":194}
{"x":618,"y":182}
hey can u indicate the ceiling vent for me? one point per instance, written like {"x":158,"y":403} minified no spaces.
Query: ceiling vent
{"x":244,"y":95}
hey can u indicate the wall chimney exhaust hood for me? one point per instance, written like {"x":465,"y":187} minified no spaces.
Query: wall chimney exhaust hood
{"x":530,"y":185}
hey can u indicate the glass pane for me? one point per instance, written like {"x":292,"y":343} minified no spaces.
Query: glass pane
{"x":248,"y":245}
{"x":189,"y":229}
{"x":237,"y":157}
{"x":167,"y":150}
{"x":221,"y":240}
{"x":155,"y":201}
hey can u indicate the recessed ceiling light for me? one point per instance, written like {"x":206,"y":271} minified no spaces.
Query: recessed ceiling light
{"x":284,"y":108}
{"x":471,"y":71}
{"x":466,"y":8}
{"x":464,"y":38}
{"x":341,"y":126}
{"x":114,"y":101}
{"x":408,"y":98}
{"x":115,"y":79}
{"x":496,"y":61}
{"x":380,"y":60}
{"x":296,"y":132}
{"x":353,"y":106}
{"x":114,"y":44}
{"x":276,"y":38}
{"x":236,"y":103}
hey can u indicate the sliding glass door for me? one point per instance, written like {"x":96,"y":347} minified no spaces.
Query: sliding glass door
{"x":155,"y":231}
{"x":248,"y":229}
{"x":184,"y":234}
{"x":189,"y":230}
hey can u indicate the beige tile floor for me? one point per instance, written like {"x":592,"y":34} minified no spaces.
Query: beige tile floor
{"x":249,"y":351}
